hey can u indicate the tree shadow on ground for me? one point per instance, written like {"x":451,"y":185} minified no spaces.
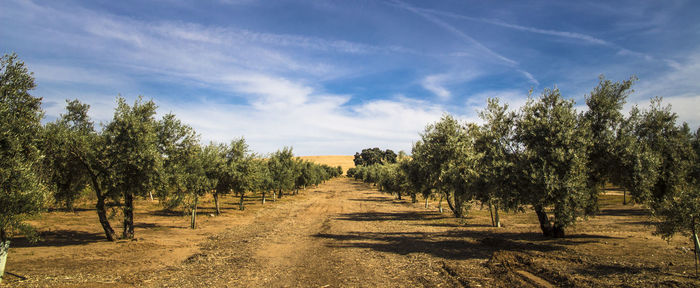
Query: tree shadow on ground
{"x":60,"y":238}
{"x":156,"y":226}
{"x":455,"y":225}
{"x":454,"y":247}
{"x":180,"y":213}
{"x":386,"y":216}
{"x":65,"y":210}
{"x":460,"y":243}
{"x":373,"y":199}
{"x":624,"y":212}
{"x":455,"y":244}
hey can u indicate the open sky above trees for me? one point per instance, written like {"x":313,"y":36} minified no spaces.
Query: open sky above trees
{"x":333,"y":77}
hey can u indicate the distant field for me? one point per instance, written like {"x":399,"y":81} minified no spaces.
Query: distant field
{"x":344,"y":161}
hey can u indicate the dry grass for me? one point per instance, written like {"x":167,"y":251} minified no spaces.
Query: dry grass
{"x":344,"y":161}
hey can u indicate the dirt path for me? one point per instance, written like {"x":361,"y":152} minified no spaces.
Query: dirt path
{"x":322,"y":239}
{"x":348,"y":234}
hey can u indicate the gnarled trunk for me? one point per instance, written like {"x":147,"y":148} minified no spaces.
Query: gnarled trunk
{"x":455,"y":205}
{"x":101,"y":211}
{"x":4,"y":249}
{"x":548,"y":229}
{"x":128,"y":209}
{"x":216,"y":203}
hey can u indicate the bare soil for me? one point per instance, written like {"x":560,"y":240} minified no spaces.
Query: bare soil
{"x":347,"y":234}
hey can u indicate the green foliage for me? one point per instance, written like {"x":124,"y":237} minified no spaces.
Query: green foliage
{"x":22,"y":193}
{"x":132,"y":148}
{"x":497,"y":181}
{"x":64,"y":172}
{"x":605,"y":118}
{"x":371,"y":156}
{"x":241,"y":169}
{"x":281,"y":166}
{"x":446,"y":154}
{"x":661,"y":168}
{"x":554,"y":160}
{"x":178,"y":147}
{"x":351,"y":172}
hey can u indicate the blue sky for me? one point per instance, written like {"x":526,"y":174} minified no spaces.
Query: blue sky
{"x":333,"y":77}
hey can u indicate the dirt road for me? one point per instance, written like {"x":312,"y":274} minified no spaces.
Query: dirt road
{"x":342,"y":235}
{"x":347,"y":234}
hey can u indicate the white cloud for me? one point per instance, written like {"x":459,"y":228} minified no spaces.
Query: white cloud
{"x":274,"y":109}
{"x":679,"y":87}
{"x":321,"y":125}
{"x":435,"y":83}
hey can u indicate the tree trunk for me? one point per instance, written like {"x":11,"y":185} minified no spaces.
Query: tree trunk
{"x":193,"y":220}
{"x":279,"y":195}
{"x":497,"y":217}
{"x":546,"y":226}
{"x":399,"y":194}
{"x":624,"y":197}
{"x":440,"y":202}
{"x":101,"y":211}
{"x":426,"y":201}
{"x":128,"y":209}
{"x":263,"y":197}
{"x":150,"y":193}
{"x":274,"y":196}
{"x":241,"y":203}
{"x":216,"y":203}
{"x":455,"y":205}
{"x":697,"y":247}
{"x":414,"y":198}
{"x":102,"y":215}
{"x":493,"y":223}
{"x":4,"y":249}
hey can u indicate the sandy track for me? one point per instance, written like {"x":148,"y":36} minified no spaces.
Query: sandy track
{"x":305,"y":243}
{"x":347,"y":234}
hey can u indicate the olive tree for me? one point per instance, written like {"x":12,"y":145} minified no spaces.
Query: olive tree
{"x":660,"y":168}
{"x":242,"y":169}
{"x":75,"y":141}
{"x":177,"y":145}
{"x":446,"y":154}
{"x":496,"y":180}
{"x":64,"y":172}
{"x":198,"y":181}
{"x":21,"y":192}
{"x":131,"y":141}
{"x":281,"y":167}
{"x":554,"y":161}
{"x":605,"y":118}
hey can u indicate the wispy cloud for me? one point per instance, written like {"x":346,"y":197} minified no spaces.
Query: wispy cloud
{"x":564,"y":34}
{"x":455,"y":31}
{"x":430,"y":17}
{"x":435,"y":84}
{"x":280,"y":102}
